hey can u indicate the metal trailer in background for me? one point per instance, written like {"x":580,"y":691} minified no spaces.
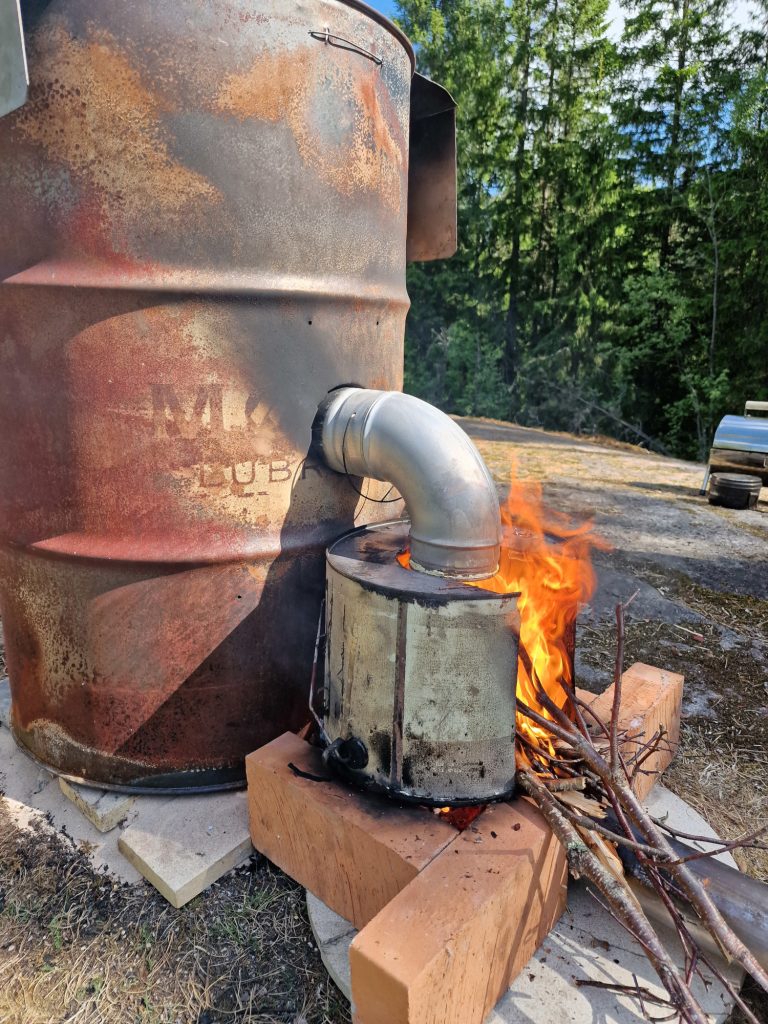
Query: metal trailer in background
{"x":741,"y":445}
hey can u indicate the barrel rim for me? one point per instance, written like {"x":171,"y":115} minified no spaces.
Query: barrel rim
{"x":383,"y":20}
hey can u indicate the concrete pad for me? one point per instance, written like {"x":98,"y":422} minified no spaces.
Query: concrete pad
{"x":5,"y":701}
{"x":104,"y":809}
{"x":35,"y":795}
{"x":586,"y":944}
{"x":333,"y":935}
{"x":180,"y":844}
{"x":24,"y":784}
{"x":190,"y":842}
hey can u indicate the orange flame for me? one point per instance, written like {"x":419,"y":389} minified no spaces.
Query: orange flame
{"x":547,"y":560}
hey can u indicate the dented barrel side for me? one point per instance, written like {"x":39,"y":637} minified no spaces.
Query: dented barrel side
{"x":205,"y":217}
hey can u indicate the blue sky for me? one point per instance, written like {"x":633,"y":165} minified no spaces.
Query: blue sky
{"x":740,"y":12}
{"x":385,"y":6}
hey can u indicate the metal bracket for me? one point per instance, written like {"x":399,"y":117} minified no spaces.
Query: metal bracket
{"x":345,"y":44}
{"x":14,"y":78}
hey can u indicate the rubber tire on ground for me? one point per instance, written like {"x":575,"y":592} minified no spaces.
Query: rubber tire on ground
{"x":734,"y":490}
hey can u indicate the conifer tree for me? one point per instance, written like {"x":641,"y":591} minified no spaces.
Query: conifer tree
{"x":613,"y":216}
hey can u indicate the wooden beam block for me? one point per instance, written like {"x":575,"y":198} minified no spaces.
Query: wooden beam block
{"x":354,"y":851}
{"x":651,"y":699}
{"x":447,"y":920}
{"x":447,"y":947}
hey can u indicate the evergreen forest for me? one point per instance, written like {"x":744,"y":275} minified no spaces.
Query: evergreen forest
{"x":612,"y":272}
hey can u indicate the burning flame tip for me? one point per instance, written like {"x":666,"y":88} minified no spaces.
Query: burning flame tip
{"x":547,"y":559}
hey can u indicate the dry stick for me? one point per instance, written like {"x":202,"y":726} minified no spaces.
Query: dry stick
{"x":618,"y":671}
{"x":690,"y":948}
{"x":694,"y":891}
{"x":582,"y":821}
{"x":623,"y":925}
{"x":748,"y":841}
{"x":649,"y":855}
{"x":619,"y":757}
{"x":745,"y":843}
{"x":579,"y":784}
{"x":726,"y":939}
{"x":679,"y":834}
{"x":658,"y":883}
{"x":631,"y":990}
{"x":582,"y":705}
{"x":568,"y":690}
{"x":550,"y":763}
{"x":582,"y":862}
{"x":665,"y":891}
{"x":692,"y":952}
{"x":662,"y":887}
{"x":651,"y":748}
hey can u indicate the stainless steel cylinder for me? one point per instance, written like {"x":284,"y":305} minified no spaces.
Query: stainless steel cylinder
{"x":420,"y":676}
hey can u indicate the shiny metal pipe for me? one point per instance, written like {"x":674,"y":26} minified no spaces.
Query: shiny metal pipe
{"x":449,"y":493}
{"x":742,"y":900}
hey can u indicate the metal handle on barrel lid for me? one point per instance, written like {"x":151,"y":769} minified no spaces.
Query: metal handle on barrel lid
{"x":345,"y":44}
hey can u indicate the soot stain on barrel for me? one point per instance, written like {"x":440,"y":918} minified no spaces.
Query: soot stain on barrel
{"x":381,"y":745}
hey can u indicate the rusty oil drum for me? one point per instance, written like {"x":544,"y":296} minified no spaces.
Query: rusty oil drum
{"x":204,"y":210}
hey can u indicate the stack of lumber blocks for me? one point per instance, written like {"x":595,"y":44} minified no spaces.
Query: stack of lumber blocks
{"x":446,"y":919}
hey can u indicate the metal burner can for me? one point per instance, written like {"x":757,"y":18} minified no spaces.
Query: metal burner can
{"x":420,"y":676}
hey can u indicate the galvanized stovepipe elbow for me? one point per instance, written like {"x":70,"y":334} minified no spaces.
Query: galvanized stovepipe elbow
{"x":448,"y":491}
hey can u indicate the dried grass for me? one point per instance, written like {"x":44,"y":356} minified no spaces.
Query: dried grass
{"x":78,"y":946}
{"x":726,"y":784}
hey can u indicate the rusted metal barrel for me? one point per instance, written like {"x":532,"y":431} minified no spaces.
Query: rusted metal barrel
{"x":205,"y":221}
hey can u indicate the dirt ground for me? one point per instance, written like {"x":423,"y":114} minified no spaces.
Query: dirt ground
{"x":77,"y":946}
{"x":701,"y":574}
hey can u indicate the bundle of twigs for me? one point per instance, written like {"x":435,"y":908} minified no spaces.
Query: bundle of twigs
{"x":591,"y":759}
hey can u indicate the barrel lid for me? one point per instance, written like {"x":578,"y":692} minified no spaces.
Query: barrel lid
{"x":382,"y":19}
{"x":368,"y":556}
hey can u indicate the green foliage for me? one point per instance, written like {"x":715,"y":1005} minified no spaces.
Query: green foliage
{"x":613,"y":216}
